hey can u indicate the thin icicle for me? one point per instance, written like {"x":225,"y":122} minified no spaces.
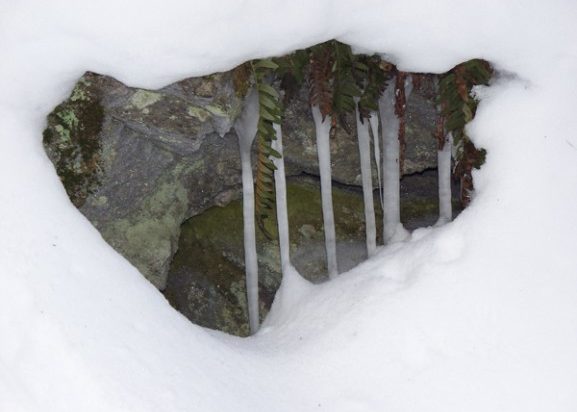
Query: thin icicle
{"x":367,"y":180}
{"x":444,"y":171}
{"x":374,"y":122}
{"x":246,"y":127}
{"x":324,"y":154}
{"x":281,"y":201}
{"x":393,"y":230}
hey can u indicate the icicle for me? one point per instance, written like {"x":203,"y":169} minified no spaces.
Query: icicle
{"x":393,"y":230}
{"x":246,"y":127}
{"x":281,"y":201}
{"x":374,"y":122}
{"x":444,"y":171}
{"x":367,"y":180}
{"x":324,"y":154}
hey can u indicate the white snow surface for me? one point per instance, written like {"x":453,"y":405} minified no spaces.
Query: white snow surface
{"x":477,"y":315}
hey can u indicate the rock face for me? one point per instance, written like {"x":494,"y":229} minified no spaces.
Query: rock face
{"x":206,"y":278}
{"x":138,"y":163}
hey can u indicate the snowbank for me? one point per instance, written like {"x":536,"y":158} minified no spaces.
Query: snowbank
{"x":479,"y":315}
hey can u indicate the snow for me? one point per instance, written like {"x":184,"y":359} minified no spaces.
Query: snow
{"x":477,"y":315}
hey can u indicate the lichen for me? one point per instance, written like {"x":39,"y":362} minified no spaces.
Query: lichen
{"x":72,"y":140}
{"x":141,"y":99}
{"x":198,"y":112}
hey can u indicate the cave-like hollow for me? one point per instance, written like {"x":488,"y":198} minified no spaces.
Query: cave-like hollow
{"x":157,"y":172}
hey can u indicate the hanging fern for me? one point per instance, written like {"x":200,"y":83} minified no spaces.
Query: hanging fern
{"x":400,"y":110}
{"x":345,"y":88}
{"x":458,"y":108}
{"x":321,"y":78}
{"x":292,"y":72}
{"x":270,"y":112}
{"x":241,"y":79}
{"x":372,"y":76}
{"x":333,"y":84}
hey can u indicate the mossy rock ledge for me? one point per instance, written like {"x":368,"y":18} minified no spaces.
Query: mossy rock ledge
{"x":138,"y":163}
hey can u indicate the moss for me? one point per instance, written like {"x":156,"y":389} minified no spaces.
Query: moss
{"x":417,"y":208}
{"x":72,"y":140}
{"x":211,"y":247}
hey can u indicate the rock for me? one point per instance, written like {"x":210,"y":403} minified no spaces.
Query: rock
{"x":300,"y":145}
{"x":138,"y":163}
{"x":206,"y":277}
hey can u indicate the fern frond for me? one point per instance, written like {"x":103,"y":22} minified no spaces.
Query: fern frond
{"x":321,"y":78}
{"x":400,"y":110}
{"x":292,"y":72}
{"x":270,"y":112}
{"x":372,"y":78}
{"x":345,"y":88}
{"x":458,"y":107}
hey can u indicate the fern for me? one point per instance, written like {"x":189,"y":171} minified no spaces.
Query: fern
{"x":321,"y":78}
{"x":292,"y":72}
{"x":270,"y":111}
{"x":372,"y":76}
{"x":345,"y":88}
{"x":458,"y":108}
{"x":400,"y":110}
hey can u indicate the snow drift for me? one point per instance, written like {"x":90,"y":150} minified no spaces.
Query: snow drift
{"x":478,"y":315}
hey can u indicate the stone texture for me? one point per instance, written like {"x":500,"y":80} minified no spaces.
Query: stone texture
{"x":206,"y":278}
{"x":138,"y":163}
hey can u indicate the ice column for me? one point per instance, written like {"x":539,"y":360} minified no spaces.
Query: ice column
{"x":444,"y":171}
{"x":281,"y":201}
{"x":246,"y":127}
{"x":367,"y":181}
{"x":393,"y":230}
{"x":323,"y":129}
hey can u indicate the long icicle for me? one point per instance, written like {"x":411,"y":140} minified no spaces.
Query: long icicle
{"x":281,"y":201}
{"x":324,"y":154}
{"x":374,"y":122}
{"x":246,"y":127}
{"x":393,"y":230}
{"x":444,"y":172}
{"x":367,"y":181}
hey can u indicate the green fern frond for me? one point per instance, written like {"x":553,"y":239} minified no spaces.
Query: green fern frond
{"x":458,"y":108}
{"x":292,"y":72}
{"x":372,"y":78}
{"x":270,"y":112}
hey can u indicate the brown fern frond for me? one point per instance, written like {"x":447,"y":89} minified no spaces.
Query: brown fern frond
{"x":440,"y":132}
{"x":400,"y":109}
{"x":320,"y":80}
{"x":241,"y":79}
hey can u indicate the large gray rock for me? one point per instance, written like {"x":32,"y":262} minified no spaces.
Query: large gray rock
{"x":138,"y":163}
